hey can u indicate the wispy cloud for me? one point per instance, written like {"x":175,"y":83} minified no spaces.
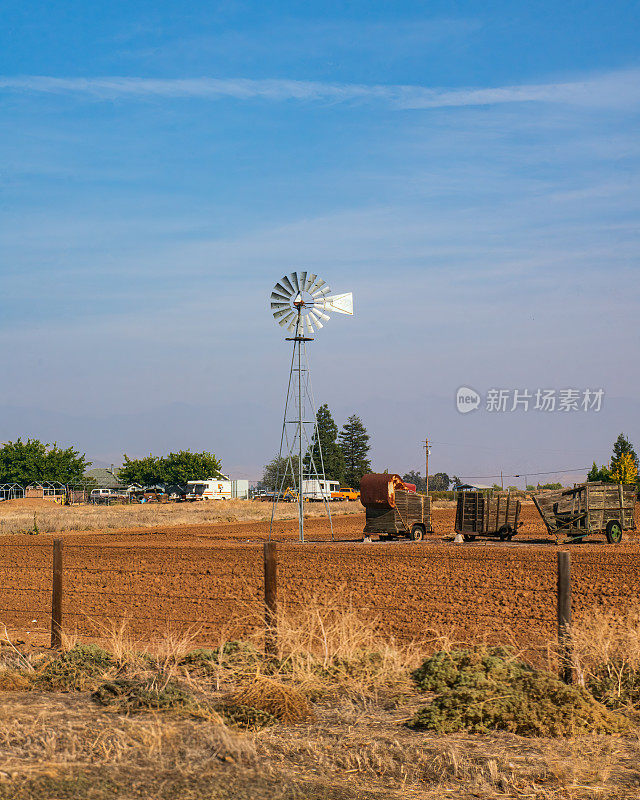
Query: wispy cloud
{"x":615,"y":89}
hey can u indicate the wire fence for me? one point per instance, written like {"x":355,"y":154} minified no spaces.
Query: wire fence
{"x":407,"y":592}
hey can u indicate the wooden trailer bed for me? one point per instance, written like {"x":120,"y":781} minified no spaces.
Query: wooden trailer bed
{"x":589,"y":508}
{"x":479,"y":514}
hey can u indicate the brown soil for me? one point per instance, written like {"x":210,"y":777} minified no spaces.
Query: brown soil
{"x":211,"y":575}
{"x":27,"y":503}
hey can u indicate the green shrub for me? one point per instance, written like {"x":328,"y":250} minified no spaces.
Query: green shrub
{"x":141,"y":695}
{"x":231,"y":654}
{"x":485,"y":690}
{"x":74,"y":670}
{"x":615,"y":683}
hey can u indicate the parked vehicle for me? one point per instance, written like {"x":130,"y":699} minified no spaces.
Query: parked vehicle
{"x":480,"y":514}
{"x":109,"y":496}
{"x":391,"y":510}
{"x":589,"y":508}
{"x":345,"y":493}
{"x":289,"y":495}
{"x":217,"y":489}
{"x":317,"y":490}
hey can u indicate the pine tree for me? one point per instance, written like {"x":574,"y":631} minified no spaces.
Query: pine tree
{"x":622,"y":446}
{"x":332,"y":458}
{"x":354,"y":443}
{"x":599,"y":473}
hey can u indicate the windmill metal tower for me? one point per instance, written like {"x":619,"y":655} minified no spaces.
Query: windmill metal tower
{"x":301,"y":302}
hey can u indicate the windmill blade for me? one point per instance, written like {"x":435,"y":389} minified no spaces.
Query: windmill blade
{"x":288,"y":284}
{"x":317,"y":284}
{"x":308,"y":325}
{"x":321,"y":292}
{"x":280,"y":305}
{"x":293,"y":322}
{"x":285,"y":317}
{"x":288,"y":321}
{"x":318,"y":309}
{"x":284,"y":314}
{"x":340,"y":303}
{"x":294,"y":280}
{"x":302,"y":281}
{"x":280,"y":288}
{"x":316,"y":320}
{"x":309,"y":282}
{"x":279,"y":296}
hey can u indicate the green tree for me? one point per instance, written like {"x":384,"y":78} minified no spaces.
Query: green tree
{"x":623,"y":447}
{"x":455,"y":480}
{"x":439,"y":482}
{"x":186,"y":466}
{"x":415,"y":477}
{"x":326,"y":439}
{"x":354,"y":443}
{"x":177,"y":467}
{"x":145,"y":471}
{"x":278,"y":473}
{"x":34,"y":461}
{"x":597,"y":473}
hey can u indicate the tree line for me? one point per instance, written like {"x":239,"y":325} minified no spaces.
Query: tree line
{"x":343,"y":453}
{"x":32,"y":462}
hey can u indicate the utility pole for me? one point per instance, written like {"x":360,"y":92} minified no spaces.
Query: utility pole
{"x":501,"y":480}
{"x":426,"y":471}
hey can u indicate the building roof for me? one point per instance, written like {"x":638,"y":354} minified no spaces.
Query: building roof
{"x":478,"y":486}
{"x":104,"y":478}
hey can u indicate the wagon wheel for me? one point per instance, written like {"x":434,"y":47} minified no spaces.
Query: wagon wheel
{"x":416,"y":534}
{"x":468,"y":537}
{"x":613,"y":531}
{"x":504,"y":533}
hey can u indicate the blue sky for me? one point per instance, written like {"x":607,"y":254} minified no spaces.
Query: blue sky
{"x":468,"y":170}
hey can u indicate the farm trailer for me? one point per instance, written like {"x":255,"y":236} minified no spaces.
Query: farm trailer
{"x":589,"y":508}
{"x":393,"y":511}
{"x":479,"y":514}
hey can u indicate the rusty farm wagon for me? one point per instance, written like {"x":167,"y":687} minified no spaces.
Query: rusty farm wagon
{"x":589,"y":508}
{"x":480,"y":514}
{"x":392,"y":511}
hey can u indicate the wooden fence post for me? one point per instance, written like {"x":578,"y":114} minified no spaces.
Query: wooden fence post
{"x":56,"y":596}
{"x":564,"y":616}
{"x":270,"y":599}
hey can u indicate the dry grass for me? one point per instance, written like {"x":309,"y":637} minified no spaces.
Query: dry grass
{"x":283,"y":702}
{"x":606,"y":648}
{"x":96,"y":518}
{"x":357,"y":686}
{"x":329,"y":650}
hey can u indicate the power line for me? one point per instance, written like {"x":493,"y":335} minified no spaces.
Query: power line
{"x":528,"y":474}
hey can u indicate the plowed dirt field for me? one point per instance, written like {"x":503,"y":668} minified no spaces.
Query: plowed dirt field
{"x":211,"y":577}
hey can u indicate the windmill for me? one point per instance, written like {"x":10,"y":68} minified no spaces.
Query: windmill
{"x":301,"y":302}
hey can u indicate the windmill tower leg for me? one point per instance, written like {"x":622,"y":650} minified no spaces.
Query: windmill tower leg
{"x":300,"y":423}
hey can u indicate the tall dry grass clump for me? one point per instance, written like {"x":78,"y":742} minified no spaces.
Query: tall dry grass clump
{"x":606,"y":648}
{"x":329,"y":649}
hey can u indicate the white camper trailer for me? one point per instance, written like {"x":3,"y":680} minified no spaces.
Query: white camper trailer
{"x":217,"y":489}
{"x":319,"y":489}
